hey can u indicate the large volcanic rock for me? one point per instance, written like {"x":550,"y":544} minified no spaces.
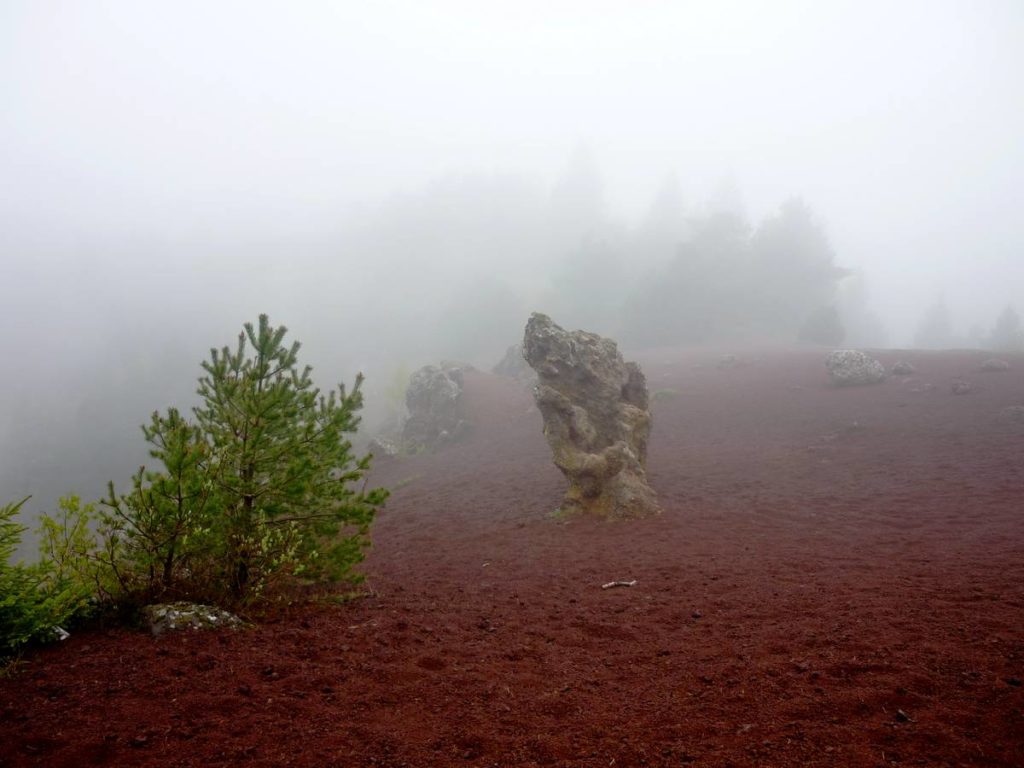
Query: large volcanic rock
{"x":433,"y":398}
{"x":596,"y":419}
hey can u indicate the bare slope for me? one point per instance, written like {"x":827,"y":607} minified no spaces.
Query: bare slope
{"x":837,"y":579}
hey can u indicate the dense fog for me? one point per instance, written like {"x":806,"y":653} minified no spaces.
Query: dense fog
{"x":403,"y":182}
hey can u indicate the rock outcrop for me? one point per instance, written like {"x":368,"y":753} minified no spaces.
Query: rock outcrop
{"x":851,"y":367}
{"x":903,"y":368}
{"x":384,"y":446}
{"x":596,"y":419}
{"x":433,"y":399}
{"x":514,"y":366}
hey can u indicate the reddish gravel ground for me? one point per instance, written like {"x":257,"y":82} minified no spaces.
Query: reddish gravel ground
{"x":837,"y":580}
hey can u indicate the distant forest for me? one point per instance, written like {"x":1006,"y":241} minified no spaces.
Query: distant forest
{"x":448,"y":271}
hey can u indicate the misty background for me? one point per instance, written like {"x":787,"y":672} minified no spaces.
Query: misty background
{"x":402,"y":182}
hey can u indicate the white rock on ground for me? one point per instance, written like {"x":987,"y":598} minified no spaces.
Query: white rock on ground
{"x":171,"y":617}
{"x":851,"y":367}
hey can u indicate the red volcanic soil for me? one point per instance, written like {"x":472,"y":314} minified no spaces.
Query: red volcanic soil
{"x":837,"y":580}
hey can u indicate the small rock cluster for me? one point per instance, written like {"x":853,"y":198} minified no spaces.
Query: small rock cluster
{"x":994,"y":365}
{"x":960,"y":387}
{"x":171,"y":617}
{"x":851,"y":367}
{"x":1013,"y":413}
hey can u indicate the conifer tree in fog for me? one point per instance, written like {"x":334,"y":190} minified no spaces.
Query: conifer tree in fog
{"x":792,"y":268}
{"x":726,"y":282}
{"x":822,"y":326}
{"x":1007,"y":335}
{"x":702,"y":293}
{"x":281,"y":464}
{"x":157,"y":536}
{"x":259,"y":489}
{"x":936,"y":328}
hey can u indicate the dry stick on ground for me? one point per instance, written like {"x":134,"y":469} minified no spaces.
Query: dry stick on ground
{"x":611,"y":584}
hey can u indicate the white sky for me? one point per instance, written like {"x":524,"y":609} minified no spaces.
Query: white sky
{"x":900,"y":123}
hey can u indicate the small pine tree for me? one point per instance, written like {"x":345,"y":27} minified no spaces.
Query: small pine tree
{"x":281,"y":467}
{"x":158,"y":535}
{"x":257,"y":490}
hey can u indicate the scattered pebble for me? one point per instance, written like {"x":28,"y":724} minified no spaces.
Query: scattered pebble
{"x":994,"y":365}
{"x":960,"y":387}
{"x":903,"y":368}
{"x":1013,"y":413}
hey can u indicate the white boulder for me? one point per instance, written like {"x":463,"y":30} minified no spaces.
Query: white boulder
{"x":851,"y":367}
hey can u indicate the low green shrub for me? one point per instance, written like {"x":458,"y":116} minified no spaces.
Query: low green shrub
{"x":35,"y":600}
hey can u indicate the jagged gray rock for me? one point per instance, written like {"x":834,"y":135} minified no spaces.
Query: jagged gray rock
{"x":433,"y":399}
{"x":382,"y":446}
{"x":903,"y":368}
{"x":596,"y":419}
{"x":851,"y":367}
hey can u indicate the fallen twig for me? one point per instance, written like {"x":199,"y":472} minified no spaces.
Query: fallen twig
{"x":611,"y":584}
